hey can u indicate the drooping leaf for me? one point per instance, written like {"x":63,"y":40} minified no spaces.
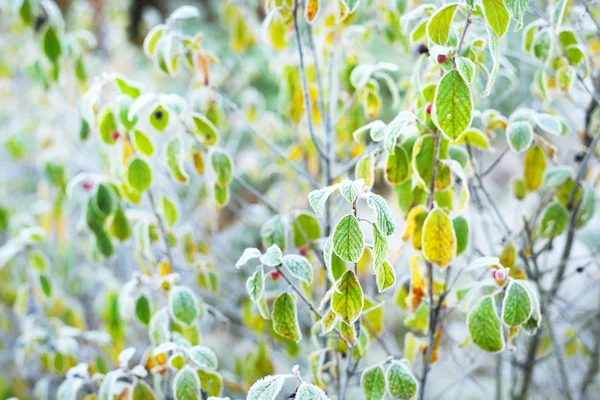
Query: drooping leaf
{"x":347,"y":300}
{"x":461,"y":231}
{"x":453,"y":105}
{"x":385,"y":222}
{"x":439,"y":240}
{"x":496,"y":16}
{"x":246,"y":256}
{"x":285,"y":318}
{"x":365,"y":169}
{"x":255,"y":285}
{"x":534,"y":165}
{"x":222,"y":167}
{"x":484,"y":326}
{"x":386,"y":277}
{"x":52,"y":45}
{"x":517,"y":9}
{"x":397,"y":166}
{"x":175,"y":157}
{"x":318,"y":198}
{"x":380,"y":248}
{"x":516,"y":307}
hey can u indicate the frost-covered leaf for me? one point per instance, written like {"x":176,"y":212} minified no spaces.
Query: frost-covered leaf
{"x":372,"y":382}
{"x":548,"y":123}
{"x":203,"y":357}
{"x":285,"y":318}
{"x":186,"y":384}
{"x":299,"y":267}
{"x":350,"y":189}
{"x":158,"y":329}
{"x":534,"y":166}
{"x":351,"y":5}
{"x":516,"y":306}
{"x":439,"y":240}
{"x":517,"y":9}
{"x":222,"y":167}
{"x":494,"y":44}
{"x":496,"y":16}
{"x":143,"y":391}
{"x":348,"y":240}
{"x":386,"y":277}
{"x":397,"y":168}
{"x":453,"y":105}
{"x":438,"y":27}
{"x":170,"y":211}
{"x":255,"y":285}
{"x":385,"y":222}
{"x":365,"y":169}
{"x":466,"y":68}
{"x":143,"y":143}
{"x":347,"y":301}
{"x":175,"y":158}
{"x":275,"y":231}
{"x":306,"y":391}
{"x":555,"y":219}
{"x":272,"y":256}
{"x":183,"y":305}
{"x":519,"y":135}
{"x":247,"y":255}
{"x":380,"y":248}
{"x":401,"y":382}
{"x":266,"y":388}
{"x":484,"y":326}
{"x":318,"y":198}
{"x":184,"y":12}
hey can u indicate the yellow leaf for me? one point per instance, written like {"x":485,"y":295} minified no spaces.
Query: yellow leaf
{"x":311,"y":10}
{"x":417,"y":284}
{"x":439,"y":240}
{"x":474,"y":137}
{"x":534,"y":166}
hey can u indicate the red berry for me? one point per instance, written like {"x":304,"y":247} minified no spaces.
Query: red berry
{"x":441,"y":58}
{"x":88,"y":185}
{"x":115,"y":135}
{"x":275,"y":275}
{"x":428,"y":109}
{"x":303,"y":251}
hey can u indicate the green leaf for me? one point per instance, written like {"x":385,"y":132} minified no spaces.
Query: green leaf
{"x":484,"y":326}
{"x":274,"y":231}
{"x":385,"y":222}
{"x":143,"y":391}
{"x":461,"y":231}
{"x":548,"y":123}
{"x":516,"y":307}
{"x":466,"y":68}
{"x":305,"y":228}
{"x":299,"y":267}
{"x":46,"y":285}
{"x":183,"y":305}
{"x":285,"y":318}
{"x":318,"y":198}
{"x":26,"y":12}
{"x":266,"y":388}
{"x":152,"y":39}
{"x":255,"y":285}
{"x":453,"y":105}
{"x":203,"y":357}
{"x":107,"y":126}
{"x":52,"y":45}
{"x":438,"y":27}
{"x":347,"y":301}
{"x":555,"y":219}
{"x":397,"y":168}
{"x":159,"y":118}
{"x":186,"y":384}
{"x":380,"y":248}
{"x":517,"y":9}
{"x":386,"y":277}
{"x":127,"y":87}
{"x":494,"y":44}
{"x":139,"y":175}
{"x":372,"y":382}
{"x":143,"y":309}
{"x":142,"y":143}
{"x":175,"y":155}
{"x":348,"y":240}
{"x":220,"y":194}
{"x":519,"y":135}
{"x":306,"y":391}
{"x":170,"y":211}
{"x":401,"y":382}
{"x":221,"y":164}
{"x":350,"y":189}
{"x":158,"y":329}
{"x":588,"y":205}
{"x":439,"y":240}
{"x":272,"y":256}
{"x":365,"y":169}
{"x":205,"y":129}
{"x":496,"y":16}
